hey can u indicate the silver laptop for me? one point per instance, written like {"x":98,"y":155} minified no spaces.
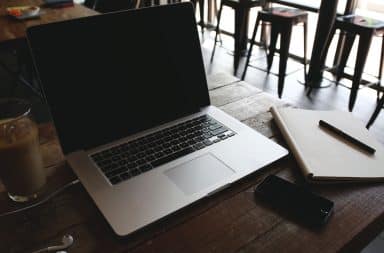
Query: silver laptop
{"x":128,"y":95}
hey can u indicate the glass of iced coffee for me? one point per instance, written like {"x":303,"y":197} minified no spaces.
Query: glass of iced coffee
{"x":21,"y":166}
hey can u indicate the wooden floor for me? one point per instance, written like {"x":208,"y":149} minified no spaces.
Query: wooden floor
{"x":331,"y":98}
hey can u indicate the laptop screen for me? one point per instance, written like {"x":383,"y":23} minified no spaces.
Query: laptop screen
{"x":110,"y":76}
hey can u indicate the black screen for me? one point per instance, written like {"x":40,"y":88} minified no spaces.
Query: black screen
{"x":112,"y":75}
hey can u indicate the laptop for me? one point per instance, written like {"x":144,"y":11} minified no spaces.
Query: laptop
{"x":128,"y":95}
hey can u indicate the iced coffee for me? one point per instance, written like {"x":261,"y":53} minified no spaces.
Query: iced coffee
{"x":21,"y":166}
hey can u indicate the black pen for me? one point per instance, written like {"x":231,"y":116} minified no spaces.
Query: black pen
{"x":347,"y":137}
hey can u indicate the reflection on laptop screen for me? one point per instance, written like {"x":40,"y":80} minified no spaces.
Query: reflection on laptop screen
{"x":112,"y":75}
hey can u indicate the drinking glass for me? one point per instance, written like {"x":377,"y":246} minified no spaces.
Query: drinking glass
{"x":21,"y":165}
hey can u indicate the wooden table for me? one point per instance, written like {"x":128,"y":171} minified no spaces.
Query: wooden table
{"x":229,"y":221}
{"x":14,"y":30}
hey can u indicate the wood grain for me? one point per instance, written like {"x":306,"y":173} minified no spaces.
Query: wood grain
{"x":232,"y":220}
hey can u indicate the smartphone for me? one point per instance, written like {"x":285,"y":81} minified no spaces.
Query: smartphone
{"x":294,"y":201}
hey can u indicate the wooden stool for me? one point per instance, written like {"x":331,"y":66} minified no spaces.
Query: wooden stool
{"x":241,"y":8}
{"x":281,"y":21}
{"x":366,"y":28}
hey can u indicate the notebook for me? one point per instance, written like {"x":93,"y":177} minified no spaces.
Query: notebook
{"x":326,"y":157}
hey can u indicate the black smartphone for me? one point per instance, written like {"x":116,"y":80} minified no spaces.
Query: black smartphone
{"x":294,"y":200}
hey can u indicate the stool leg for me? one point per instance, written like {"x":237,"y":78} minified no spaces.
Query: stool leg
{"x":305,"y":52}
{"x":240,"y":37}
{"x":344,"y":56}
{"x":217,"y":31}
{"x":362,"y":53}
{"x":285,"y":41}
{"x":381,"y":67}
{"x":201,"y":10}
{"x":250,"y":47}
{"x":272,"y":45}
{"x":376,"y":112}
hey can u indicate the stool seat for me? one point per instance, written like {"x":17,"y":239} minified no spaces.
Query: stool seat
{"x":294,"y":15}
{"x":351,"y":22}
{"x":236,"y":3}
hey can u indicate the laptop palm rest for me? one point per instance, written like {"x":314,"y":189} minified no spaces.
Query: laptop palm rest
{"x":199,"y":173}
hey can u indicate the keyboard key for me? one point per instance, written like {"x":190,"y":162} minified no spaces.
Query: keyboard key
{"x":175,"y":142}
{"x":207,"y":142}
{"x":222,"y":136}
{"x":184,"y":144}
{"x":183,"y":138}
{"x":199,"y":145}
{"x":216,"y":140}
{"x":207,"y":135}
{"x":167,"y":145}
{"x":214,"y":126}
{"x":175,"y":148}
{"x":141,"y":148}
{"x":125,"y":176}
{"x":115,"y":180}
{"x":199,"y":138}
{"x":131,"y":165}
{"x":134,"y":151}
{"x":106,"y":168}
{"x":140,"y":155}
{"x":140,"y":162}
{"x":119,"y":170}
{"x":150,"y":158}
{"x":149,"y":151}
{"x":145,"y":167}
{"x":135,"y":172}
{"x":157,"y":148}
{"x":172,"y":157}
{"x":230,"y":133}
{"x":132,"y":158}
{"x":219,"y":131}
{"x":159,"y":154}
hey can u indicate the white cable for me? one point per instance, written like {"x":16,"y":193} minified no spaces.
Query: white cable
{"x":43,"y":200}
{"x":67,"y":242}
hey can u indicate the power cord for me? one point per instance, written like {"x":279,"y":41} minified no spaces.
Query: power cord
{"x":63,"y":188}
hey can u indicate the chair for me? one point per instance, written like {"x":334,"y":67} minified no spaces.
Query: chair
{"x":281,"y":21}
{"x":366,"y":28}
{"x":241,"y":8}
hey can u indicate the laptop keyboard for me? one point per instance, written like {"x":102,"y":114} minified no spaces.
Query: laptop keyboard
{"x":130,"y":159}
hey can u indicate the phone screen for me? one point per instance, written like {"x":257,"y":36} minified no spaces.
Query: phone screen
{"x":294,"y":200}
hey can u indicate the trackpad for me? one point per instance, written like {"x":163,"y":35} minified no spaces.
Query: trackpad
{"x":199,"y":173}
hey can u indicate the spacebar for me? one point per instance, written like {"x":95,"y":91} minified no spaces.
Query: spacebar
{"x":172,"y":157}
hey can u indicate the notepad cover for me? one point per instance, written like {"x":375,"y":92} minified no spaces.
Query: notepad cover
{"x":324,"y":156}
